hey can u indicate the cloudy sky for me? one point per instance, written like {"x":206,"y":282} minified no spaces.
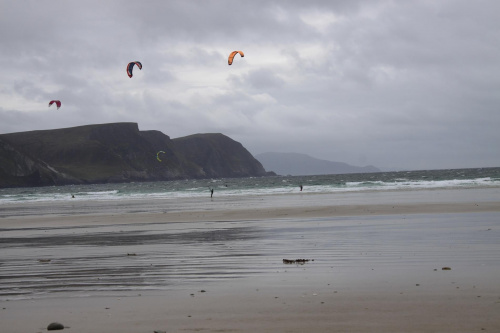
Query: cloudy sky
{"x":395,"y":84}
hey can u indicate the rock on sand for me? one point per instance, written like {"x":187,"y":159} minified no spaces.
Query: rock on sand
{"x":55,"y":326}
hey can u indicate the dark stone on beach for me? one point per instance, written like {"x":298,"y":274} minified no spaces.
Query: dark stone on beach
{"x":55,"y":327}
{"x":295,"y":261}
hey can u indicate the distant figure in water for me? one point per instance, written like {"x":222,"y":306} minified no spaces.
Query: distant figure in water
{"x":211,"y":192}
{"x":300,"y":187}
{"x":72,"y":196}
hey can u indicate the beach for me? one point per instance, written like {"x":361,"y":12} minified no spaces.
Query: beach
{"x":393,"y":261}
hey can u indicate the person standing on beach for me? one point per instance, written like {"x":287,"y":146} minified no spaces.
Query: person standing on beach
{"x":300,"y":187}
{"x":211,"y":192}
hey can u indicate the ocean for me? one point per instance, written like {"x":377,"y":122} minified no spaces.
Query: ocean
{"x":257,"y":186}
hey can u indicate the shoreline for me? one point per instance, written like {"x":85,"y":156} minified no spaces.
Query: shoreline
{"x":303,"y":205}
{"x":247,"y":214}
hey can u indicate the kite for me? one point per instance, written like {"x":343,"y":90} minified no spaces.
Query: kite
{"x":158,"y":155}
{"x":131,"y":65}
{"x":231,"y":56}
{"x":58,"y":103}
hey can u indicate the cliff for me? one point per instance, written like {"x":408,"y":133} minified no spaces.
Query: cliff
{"x":217,"y":154}
{"x":18,"y":169}
{"x":118,"y":152}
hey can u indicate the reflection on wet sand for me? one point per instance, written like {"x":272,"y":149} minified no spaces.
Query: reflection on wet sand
{"x":100,"y":259}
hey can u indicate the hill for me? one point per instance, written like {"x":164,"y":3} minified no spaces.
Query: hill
{"x":118,"y":152}
{"x":295,"y":164}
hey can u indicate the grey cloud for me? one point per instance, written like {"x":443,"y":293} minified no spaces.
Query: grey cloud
{"x":389,"y":83}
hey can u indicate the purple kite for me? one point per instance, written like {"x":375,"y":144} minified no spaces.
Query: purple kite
{"x":131,"y":65}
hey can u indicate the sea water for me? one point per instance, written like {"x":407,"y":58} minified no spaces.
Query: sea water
{"x":234,"y":187}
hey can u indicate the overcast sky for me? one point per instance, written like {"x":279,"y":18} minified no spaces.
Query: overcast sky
{"x":394,"y":84}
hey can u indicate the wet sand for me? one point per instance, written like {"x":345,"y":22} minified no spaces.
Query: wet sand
{"x":217,"y":266}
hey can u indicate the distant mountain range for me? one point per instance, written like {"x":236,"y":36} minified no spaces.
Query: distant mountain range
{"x":118,"y":152}
{"x":295,"y":164}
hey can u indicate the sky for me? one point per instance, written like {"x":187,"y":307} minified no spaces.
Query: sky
{"x":401,"y":85}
